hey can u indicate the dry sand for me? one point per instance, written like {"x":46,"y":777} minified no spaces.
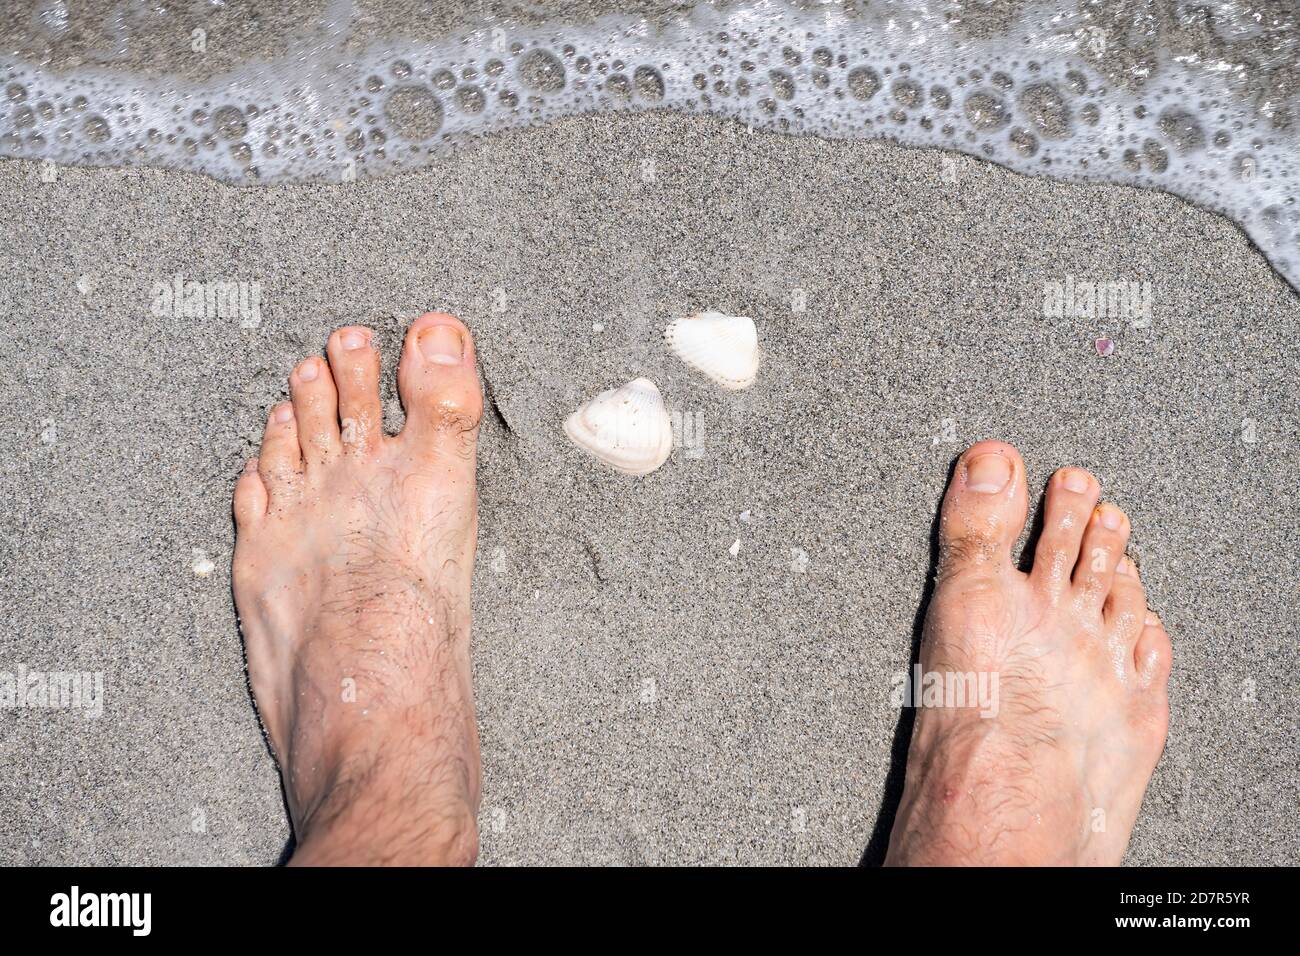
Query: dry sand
{"x":644,"y":696}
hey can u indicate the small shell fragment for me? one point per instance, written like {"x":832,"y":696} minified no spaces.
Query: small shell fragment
{"x":200,"y":563}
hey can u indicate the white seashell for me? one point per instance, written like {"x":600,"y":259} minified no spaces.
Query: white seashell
{"x":723,"y":347}
{"x":627,"y":428}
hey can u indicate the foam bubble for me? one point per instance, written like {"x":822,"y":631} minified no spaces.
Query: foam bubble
{"x":986,"y":112}
{"x":863,"y":83}
{"x":1037,"y":87}
{"x":1047,"y":110}
{"x":415,"y":112}
{"x":541,"y":71}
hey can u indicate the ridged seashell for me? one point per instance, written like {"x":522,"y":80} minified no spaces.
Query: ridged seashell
{"x":628,"y":428}
{"x":723,"y":347}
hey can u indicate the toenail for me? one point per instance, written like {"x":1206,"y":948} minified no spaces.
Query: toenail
{"x":1111,"y":519}
{"x":1076,"y":481}
{"x":284,"y":413}
{"x":988,"y":474}
{"x":1153,"y":619}
{"x":1124,"y":567}
{"x":353,"y":339}
{"x":442,"y":345}
{"x":308,"y":371}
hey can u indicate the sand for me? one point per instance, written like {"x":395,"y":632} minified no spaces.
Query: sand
{"x":644,"y":695}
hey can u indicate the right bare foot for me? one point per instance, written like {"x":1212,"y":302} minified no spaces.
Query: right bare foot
{"x":352,"y":579}
{"x":1057,"y":775}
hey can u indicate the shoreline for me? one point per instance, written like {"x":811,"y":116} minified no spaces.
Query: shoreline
{"x":922,"y":330}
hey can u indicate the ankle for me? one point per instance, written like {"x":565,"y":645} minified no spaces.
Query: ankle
{"x":407,"y":802}
{"x":389,"y":823}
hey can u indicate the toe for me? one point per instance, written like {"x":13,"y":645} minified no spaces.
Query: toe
{"x":1103,"y":544}
{"x":316,"y":410}
{"x":250,"y":497}
{"x":1125,"y":609}
{"x":1068,"y":502}
{"x":983,"y":510}
{"x":355,"y":363}
{"x":1153,"y":654}
{"x":280,"y":462}
{"x":439,"y":385}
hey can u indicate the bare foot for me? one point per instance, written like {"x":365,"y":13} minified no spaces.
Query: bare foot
{"x":1056,"y":775}
{"x":352,"y":580}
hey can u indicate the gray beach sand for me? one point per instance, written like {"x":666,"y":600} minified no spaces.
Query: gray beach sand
{"x":645,"y":696}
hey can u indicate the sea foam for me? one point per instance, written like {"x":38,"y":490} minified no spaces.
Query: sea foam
{"x":1039,"y":88}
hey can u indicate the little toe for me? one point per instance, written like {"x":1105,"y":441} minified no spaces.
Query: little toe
{"x":250,"y":497}
{"x":1153,"y":654}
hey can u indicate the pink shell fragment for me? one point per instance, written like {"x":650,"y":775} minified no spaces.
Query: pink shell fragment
{"x":1104,"y":347}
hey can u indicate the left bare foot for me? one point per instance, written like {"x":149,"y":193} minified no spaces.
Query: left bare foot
{"x":352,"y":574}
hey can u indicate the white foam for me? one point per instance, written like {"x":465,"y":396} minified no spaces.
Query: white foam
{"x":1025,"y":97}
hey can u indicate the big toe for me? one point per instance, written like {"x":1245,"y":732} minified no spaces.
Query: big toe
{"x":439,"y":386}
{"x":984,"y":509}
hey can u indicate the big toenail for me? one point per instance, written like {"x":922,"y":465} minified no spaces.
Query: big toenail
{"x":284,"y":413}
{"x":1111,"y":519}
{"x":1076,"y":481}
{"x":988,"y":474}
{"x":441,"y":345}
{"x":352,"y":339}
{"x":308,"y":371}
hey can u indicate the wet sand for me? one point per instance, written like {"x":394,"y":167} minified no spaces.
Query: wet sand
{"x":644,"y":695}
